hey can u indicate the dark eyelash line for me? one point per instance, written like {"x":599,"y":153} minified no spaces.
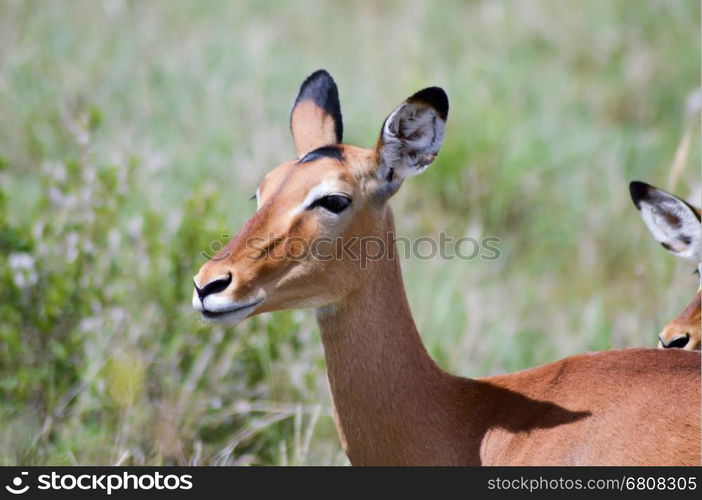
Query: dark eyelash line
{"x":334,"y":203}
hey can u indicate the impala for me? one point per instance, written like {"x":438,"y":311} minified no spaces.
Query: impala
{"x":675,"y":224}
{"x":392,"y":404}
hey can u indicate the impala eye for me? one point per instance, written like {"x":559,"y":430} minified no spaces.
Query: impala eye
{"x":335,"y":203}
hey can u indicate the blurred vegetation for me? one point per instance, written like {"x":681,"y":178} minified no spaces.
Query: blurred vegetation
{"x":132,"y":135}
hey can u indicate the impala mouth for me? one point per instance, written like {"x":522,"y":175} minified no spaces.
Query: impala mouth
{"x":232,"y":315}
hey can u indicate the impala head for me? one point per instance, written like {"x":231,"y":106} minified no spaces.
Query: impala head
{"x":675,"y":224}
{"x":298,"y":248}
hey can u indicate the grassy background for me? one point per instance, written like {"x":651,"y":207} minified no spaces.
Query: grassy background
{"x":132,"y":135}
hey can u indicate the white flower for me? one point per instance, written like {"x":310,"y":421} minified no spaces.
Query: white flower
{"x":71,"y":246}
{"x":113,"y":239}
{"x":56,"y":171}
{"x":134,"y":226}
{"x":24,"y":272}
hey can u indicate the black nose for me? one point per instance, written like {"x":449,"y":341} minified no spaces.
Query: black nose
{"x":214,"y":286}
{"x":678,"y":343}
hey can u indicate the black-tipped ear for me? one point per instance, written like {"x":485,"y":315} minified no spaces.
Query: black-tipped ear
{"x":412,"y":135}
{"x":639,"y":191}
{"x":642,"y":192}
{"x":673,"y":222}
{"x":434,"y":97}
{"x":315,"y":119}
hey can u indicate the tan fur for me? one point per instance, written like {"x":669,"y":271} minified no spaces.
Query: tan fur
{"x":308,"y":138}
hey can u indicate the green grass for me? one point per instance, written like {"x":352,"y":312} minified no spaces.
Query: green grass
{"x":132,"y":135}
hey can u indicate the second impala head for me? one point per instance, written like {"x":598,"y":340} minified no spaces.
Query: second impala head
{"x":675,"y":224}
{"x":314,"y":212}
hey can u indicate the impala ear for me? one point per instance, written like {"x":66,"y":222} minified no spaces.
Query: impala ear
{"x":315,"y":119}
{"x":674,"y":223}
{"x":412,"y":135}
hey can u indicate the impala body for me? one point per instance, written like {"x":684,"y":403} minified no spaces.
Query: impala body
{"x":675,"y":224}
{"x":393,"y":405}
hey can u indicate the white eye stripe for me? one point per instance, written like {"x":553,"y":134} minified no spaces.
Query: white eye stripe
{"x":325,"y":188}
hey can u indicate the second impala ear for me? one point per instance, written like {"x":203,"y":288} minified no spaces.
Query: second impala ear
{"x":412,"y":135}
{"x":315,"y":119}
{"x":674,"y":223}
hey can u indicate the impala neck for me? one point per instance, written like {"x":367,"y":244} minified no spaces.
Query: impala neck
{"x":389,"y":396}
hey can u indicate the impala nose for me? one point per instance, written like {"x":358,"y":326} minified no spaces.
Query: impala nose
{"x":214,"y":286}
{"x":678,"y":342}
